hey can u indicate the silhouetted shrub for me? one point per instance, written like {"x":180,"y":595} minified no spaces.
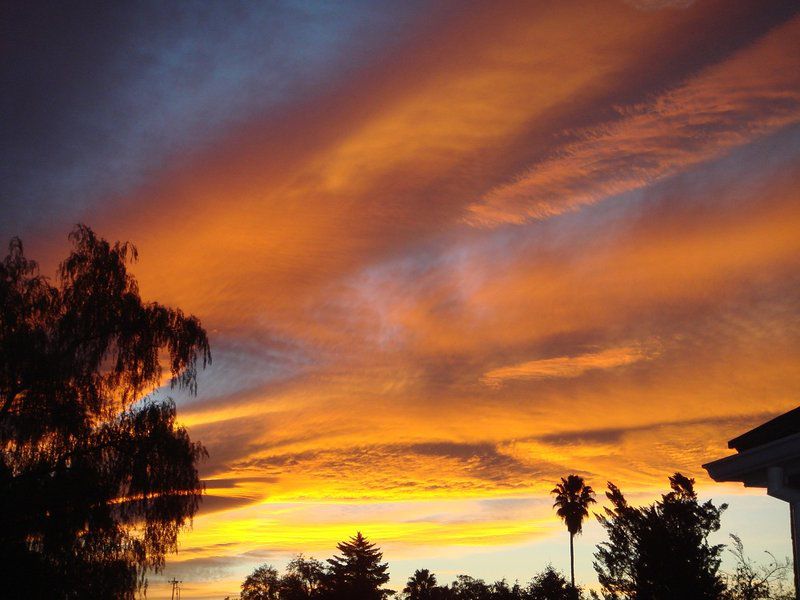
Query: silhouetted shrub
{"x":661,"y":551}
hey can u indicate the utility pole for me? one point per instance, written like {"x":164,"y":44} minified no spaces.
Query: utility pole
{"x":176,"y":588}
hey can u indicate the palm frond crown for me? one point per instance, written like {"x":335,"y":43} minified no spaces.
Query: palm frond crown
{"x":572,"y":500}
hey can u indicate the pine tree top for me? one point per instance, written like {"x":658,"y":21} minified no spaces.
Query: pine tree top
{"x":358,"y":545}
{"x":360,"y":563}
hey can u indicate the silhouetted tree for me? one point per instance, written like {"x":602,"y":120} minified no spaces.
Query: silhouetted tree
{"x":262,"y":584}
{"x":550,"y":585}
{"x":303,"y":579}
{"x":573,"y":498}
{"x":501,"y":590}
{"x":468,"y":588}
{"x":358,"y":573}
{"x":661,"y":551}
{"x":95,"y":482}
{"x":421,"y":586}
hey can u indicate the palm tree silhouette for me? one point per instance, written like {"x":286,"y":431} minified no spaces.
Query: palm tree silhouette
{"x":420,"y":585}
{"x":573,"y":498}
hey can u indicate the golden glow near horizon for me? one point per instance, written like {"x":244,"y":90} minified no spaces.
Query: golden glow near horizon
{"x":534,"y":241}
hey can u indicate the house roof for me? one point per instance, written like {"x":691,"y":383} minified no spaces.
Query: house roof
{"x":750,"y":466}
{"x":775,"y":443}
{"x":781,"y":426}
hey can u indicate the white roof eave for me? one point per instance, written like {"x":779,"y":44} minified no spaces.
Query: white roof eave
{"x":750,"y":466}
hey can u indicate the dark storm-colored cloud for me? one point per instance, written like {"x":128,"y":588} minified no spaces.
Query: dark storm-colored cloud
{"x":212,"y":503}
{"x":613,"y":435}
{"x":484,"y":461}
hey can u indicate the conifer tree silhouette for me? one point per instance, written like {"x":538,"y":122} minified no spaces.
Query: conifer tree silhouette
{"x":358,"y":573}
{"x":661,"y":550}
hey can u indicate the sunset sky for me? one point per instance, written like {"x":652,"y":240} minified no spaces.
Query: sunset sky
{"x":446,"y":253}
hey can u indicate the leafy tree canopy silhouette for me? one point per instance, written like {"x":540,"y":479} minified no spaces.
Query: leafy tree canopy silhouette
{"x":96,"y":480}
{"x":469,"y":588}
{"x":660,"y":551}
{"x":262,"y":584}
{"x":551,"y":585}
{"x":304,"y":579}
{"x":321,"y":584}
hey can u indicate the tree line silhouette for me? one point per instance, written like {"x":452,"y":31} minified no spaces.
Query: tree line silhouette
{"x":655,"y":552}
{"x":359,"y":575}
{"x":97,"y":479}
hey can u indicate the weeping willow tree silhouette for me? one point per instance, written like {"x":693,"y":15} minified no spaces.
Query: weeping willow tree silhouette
{"x":96,"y":480}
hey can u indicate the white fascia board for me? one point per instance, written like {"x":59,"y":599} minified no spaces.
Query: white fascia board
{"x":750,"y":466}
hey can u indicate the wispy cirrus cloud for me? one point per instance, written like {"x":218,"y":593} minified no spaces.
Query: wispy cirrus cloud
{"x":754,"y":93}
{"x":567,"y":366}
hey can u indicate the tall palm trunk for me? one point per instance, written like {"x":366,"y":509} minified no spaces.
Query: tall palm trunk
{"x":573,"y":498}
{"x":572,"y":559}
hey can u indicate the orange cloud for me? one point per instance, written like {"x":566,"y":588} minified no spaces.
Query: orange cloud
{"x":565,"y":366}
{"x":748,"y":96}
